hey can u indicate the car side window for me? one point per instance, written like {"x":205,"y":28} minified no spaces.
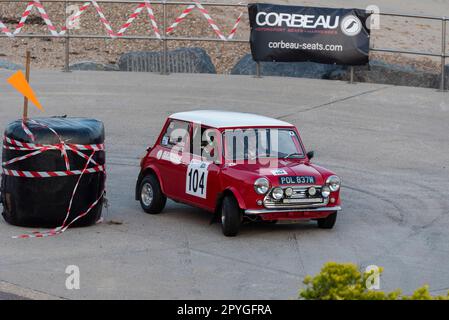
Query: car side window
{"x":177,"y":134}
{"x":205,"y":142}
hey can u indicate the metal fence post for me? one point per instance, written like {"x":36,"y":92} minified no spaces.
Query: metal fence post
{"x":258,"y":70}
{"x":443,"y":54}
{"x":164,"y":56}
{"x":67,"y":42}
{"x":351,"y":75}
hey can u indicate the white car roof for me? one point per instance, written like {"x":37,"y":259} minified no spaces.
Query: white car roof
{"x":228,"y":119}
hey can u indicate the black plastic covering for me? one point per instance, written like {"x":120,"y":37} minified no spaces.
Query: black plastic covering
{"x":43,"y":202}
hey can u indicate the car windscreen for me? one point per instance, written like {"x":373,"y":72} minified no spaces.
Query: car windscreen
{"x":246,"y":144}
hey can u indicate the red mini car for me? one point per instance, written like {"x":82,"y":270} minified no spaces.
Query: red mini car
{"x":238,"y":166}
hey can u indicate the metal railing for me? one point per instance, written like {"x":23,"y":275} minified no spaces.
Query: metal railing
{"x":165,"y":38}
{"x":443,"y":54}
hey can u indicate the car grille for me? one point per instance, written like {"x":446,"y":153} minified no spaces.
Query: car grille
{"x":299,"y":199}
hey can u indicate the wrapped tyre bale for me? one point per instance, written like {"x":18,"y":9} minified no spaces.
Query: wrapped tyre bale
{"x":36,"y":190}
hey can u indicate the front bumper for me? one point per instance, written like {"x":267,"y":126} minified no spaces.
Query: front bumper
{"x":251,"y":212}
{"x":292,"y":214}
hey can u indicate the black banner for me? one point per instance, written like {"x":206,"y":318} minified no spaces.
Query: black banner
{"x":325,"y":35}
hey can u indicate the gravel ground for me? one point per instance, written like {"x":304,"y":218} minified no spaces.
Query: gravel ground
{"x":400,"y":33}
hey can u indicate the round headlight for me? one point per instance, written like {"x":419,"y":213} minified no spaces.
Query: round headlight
{"x":277,"y":193}
{"x":288,"y":192}
{"x":334,"y":183}
{"x":262,"y":185}
{"x":312,"y":191}
{"x":326,"y":192}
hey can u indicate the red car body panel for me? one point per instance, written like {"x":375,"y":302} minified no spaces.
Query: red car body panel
{"x":237,"y":179}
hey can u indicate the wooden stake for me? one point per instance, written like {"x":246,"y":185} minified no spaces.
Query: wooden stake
{"x":27,"y":77}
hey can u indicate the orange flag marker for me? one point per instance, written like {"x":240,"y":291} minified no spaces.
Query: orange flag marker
{"x":19,"y":82}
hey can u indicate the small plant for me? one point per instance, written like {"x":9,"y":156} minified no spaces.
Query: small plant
{"x":338,"y":281}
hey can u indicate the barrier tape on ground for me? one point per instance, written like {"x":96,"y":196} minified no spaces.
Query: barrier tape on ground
{"x":145,"y":4}
{"x":64,"y":148}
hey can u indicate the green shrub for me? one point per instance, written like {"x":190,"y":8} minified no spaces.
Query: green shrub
{"x":345,"y":282}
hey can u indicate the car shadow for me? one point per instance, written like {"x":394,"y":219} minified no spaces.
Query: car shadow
{"x":198,"y":217}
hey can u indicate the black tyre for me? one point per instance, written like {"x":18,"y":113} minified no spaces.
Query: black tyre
{"x":231,"y":216}
{"x":7,"y":210}
{"x":151,"y":197}
{"x":328,"y":222}
{"x":10,"y":214}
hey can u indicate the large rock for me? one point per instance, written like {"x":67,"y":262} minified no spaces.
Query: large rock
{"x":10,"y":66}
{"x":182,"y":60}
{"x":380,"y":71}
{"x":247,"y":66}
{"x":93,"y":66}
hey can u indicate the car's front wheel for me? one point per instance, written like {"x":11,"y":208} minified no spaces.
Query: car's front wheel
{"x":231,"y":216}
{"x":151,"y":197}
{"x":328,"y":222}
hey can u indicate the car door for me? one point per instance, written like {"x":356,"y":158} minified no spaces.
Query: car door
{"x":202,"y":183}
{"x":175,"y":147}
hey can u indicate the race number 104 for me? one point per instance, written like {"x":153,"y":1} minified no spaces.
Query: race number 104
{"x":196,"y":179}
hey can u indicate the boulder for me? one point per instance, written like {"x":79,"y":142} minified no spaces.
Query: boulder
{"x":312,"y":70}
{"x":4,"y":64}
{"x":380,"y":71}
{"x":182,"y":60}
{"x":93,"y":66}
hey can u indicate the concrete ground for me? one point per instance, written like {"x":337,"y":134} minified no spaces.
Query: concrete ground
{"x":389,"y":144}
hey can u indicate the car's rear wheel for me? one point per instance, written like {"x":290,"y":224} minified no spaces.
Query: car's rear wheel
{"x":328,"y":222}
{"x":151,"y":197}
{"x":231,"y":216}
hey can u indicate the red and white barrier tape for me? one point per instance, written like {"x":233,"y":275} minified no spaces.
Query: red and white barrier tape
{"x":210,"y":21}
{"x":136,"y":13}
{"x":17,"y":145}
{"x":12,"y":144}
{"x":5,"y":30}
{"x":235,"y":27}
{"x":75,"y":17}
{"x":146,"y":4}
{"x":103,"y":19}
{"x":24,"y":17}
{"x":179,"y":19}
{"x":50,"y":174}
{"x":27,"y":131}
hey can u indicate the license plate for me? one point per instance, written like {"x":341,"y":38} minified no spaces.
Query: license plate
{"x":297,"y":180}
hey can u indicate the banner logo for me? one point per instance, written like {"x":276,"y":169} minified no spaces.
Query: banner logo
{"x":351,"y":25}
{"x":274,"y":19}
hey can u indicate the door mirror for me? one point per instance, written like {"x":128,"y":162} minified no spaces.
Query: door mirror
{"x":310,"y":154}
